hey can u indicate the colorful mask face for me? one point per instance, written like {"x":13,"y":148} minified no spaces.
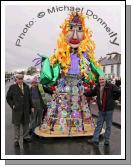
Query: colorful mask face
{"x":75,"y":33}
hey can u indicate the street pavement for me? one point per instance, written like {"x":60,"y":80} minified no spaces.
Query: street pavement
{"x":59,"y":146}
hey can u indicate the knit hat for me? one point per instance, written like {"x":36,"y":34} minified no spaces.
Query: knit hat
{"x":34,"y":80}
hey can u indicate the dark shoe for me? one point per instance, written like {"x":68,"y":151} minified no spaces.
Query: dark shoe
{"x":30,"y":132}
{"x":28,"y":140}
{"x":95,"y":143}
{"x":90,"y":141}
{"x":106,"y":143}
{"x":16,"y":144}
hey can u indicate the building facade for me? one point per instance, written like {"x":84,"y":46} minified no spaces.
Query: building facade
{"x":111,"y":64}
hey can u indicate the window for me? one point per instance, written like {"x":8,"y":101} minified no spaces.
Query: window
{"x":118,"y":70}
{"x":104,"y":69}
{"x":112,"y":69}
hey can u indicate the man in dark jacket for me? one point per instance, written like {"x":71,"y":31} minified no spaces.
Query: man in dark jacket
{"x":39,"y":108}
{"x":118,"y":82}
{"x":105,"y":92}
{"x":18,"y":97}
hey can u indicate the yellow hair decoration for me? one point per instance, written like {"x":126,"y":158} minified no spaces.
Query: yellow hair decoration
{"x":62,"y":53}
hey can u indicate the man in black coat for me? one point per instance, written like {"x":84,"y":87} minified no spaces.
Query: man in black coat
{"x":19,"y":99}
{"x":118,"y":82}
{"x":106,"y":93}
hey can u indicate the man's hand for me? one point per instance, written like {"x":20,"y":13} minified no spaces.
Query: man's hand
{"x":32,"y":109}
{"x":56,"y":92}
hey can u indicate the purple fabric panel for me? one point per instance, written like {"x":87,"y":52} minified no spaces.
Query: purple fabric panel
{"x":75,"y":61}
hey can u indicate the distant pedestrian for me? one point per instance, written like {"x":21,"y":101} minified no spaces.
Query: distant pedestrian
{"x":118,"y":82}
{"x":105,"y":92}
{"x":18,"y":97}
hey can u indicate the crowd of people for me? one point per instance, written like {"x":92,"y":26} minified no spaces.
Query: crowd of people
{"x":29,"y":109}
{"x":116,"y":81}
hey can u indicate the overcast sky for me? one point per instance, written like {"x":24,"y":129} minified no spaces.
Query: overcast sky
{"x":41,"y":37}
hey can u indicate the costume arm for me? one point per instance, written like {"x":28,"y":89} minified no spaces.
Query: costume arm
{"x":93,"y":92}
{"x":96,"y":70}
{"x":49,"y":74}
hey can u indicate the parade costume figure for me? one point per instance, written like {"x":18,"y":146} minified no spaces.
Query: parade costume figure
{"x":72,"y":65}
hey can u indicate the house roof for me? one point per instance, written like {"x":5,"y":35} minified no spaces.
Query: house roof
{"x":110,"y":59}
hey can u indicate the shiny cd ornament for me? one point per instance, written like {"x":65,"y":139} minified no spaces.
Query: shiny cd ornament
{"x":75,"y":106}
{"x":64,"y":114}
{"x":50,"y":114}
{"x":75,"y":89}
{"x":76,"y":114}
{"x":75,"y":98}
{"x":53,"y":104}
{"x":44,"y":125}
{"x":67,"y":89}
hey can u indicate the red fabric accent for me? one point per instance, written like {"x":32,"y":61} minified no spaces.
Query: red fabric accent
{"x":93,"y":83}
{"x":53,"y":88}
{"x":87,"y":87}
{"x":104,"y":99}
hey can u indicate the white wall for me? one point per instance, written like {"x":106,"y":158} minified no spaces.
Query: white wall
{"x":115,"y":70}
{"x":108,"y":69}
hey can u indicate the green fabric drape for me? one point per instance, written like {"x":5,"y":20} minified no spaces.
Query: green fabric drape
{"x":49,"y":74}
